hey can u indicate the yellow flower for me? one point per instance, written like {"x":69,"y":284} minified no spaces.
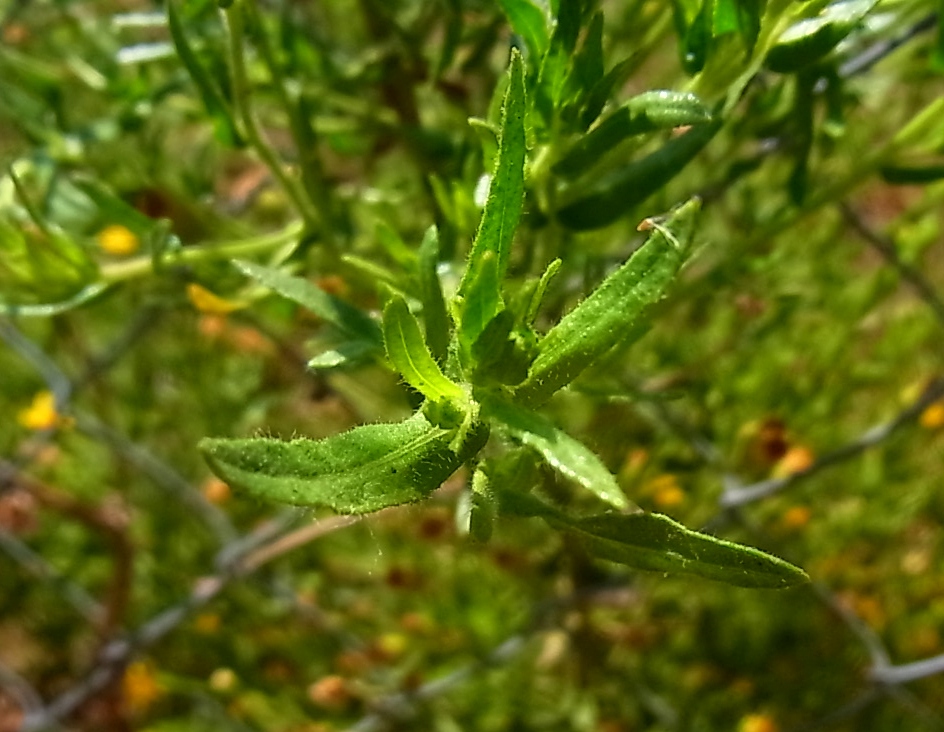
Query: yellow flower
{"x":208,"y":302}
{"x":665,"y":490}
{"x":41,"y":414}
{"x":932,"y":418}
{"x":757,"y":723}
{"x":140,"y":686}
{"x":118,"y":240}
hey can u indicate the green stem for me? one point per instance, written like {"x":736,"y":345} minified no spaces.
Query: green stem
{"x":143,"y":266}
{"x":234,"y":22}
{"x":306,"y":142}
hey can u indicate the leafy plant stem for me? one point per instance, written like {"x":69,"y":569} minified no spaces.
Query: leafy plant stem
{"x":234,"y":22}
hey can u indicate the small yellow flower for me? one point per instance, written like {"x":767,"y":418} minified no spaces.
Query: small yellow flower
{"x":140,"y":686}
{"x":932,"y":418}
{"x":208,"y":302}
{"x":41,"y":414}
{"x":117,"y":240}
{"x":757,"y":723}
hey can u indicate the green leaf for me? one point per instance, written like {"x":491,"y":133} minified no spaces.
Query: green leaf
{"x":506,"y":191}
{"x":616,"y":193}
{"x":604,"y":89}
{"x":210,"y":93}
{"x":569,"y":457}
{"x":656,"y":543}
{"x":479,"y":304}
{"x":613,"y":312}
{"x":648,"y":112}
{"x":912,"y":174}
{"x":809,"y":40}
{"x":483,"y":507}
{"x":409,"y":355}
{"x":529,"y":22}
{"x":347,"y":318}
{"x":586,"y":72}
{"x":365,"y":469}
{"x":350,"y":354}
{"x":500,"y":354}
{"x":536,"y":296}
{"x":42,"y":267}
{"x":435,"y":314}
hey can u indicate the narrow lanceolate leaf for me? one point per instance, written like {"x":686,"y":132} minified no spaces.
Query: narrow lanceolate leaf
{"x":506,"y":191}
{"x":617,"y":193}
{"x":569,"y":457}
{"x":654,"y":542}
{"x":657,"y":543}
{"x":807,"y":41}
{"x":613,"y":312}
{"x":347,"y":318}
{"x":409,"y":355}
{"x":365,"y":469}
{"x":435,"y":314}
{"x":653,"y":110}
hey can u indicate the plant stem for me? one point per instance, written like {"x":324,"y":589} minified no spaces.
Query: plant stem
{"x":142,"y":266}
{"x":234,"y":22}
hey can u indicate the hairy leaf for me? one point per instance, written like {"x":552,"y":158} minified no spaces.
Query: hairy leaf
{"x":569,"y":457}
{"x":613,"y":311}
{"x":362,"y":470}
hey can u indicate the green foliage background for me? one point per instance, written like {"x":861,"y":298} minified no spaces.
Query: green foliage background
{"x":807,"y":316}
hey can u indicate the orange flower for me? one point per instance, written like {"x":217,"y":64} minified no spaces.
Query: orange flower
{"x":41,"y":414}
{"x":140,"y":686}
{"x":797,"y":459}
{"x":119,"y":241}
{"x":796,"y":518}
{"x":932,"y":418}
{"x":665,"y":491}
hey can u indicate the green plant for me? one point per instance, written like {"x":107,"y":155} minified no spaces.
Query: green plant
{"x":493,"y":371}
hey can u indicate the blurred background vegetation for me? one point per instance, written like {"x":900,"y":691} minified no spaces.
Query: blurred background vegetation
{"x":788,"y":395}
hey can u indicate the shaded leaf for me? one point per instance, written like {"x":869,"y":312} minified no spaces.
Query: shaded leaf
{"x":807,"y":41}
{"x":347,"y":318}
{"x":529,"y":22}
{"x":616,"y":193}
{"x":569,"y":457}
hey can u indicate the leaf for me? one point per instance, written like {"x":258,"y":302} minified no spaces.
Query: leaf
{"x":603,"y":89}
{"x":347,"y":318}
{"x":912,"y":174}
{"x":350,"y":354}
{"x":409,"y":355}
{"x":648,"y":112}
{"x":506,"y":192}
{"x":616,"y":194}
{"x":529,"y":22}
{"x":656,"y":543}
{"x":613,"y":312}
{"x":536,"y":296}
{"x":365,"y":469}
{"x":435,"y":314}
{"x":480,"y":303}
{"x":807,"y":41}
{"x":569,"y":457}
